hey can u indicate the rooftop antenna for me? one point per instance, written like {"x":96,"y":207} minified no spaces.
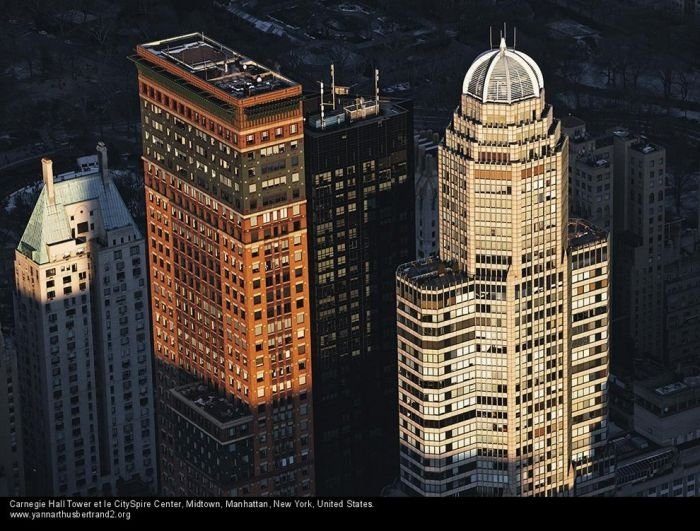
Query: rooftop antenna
{"x":323,"y":121}
{"x":504,"y":30}
{"x":490,"y":38}
{"x":333,"y":84}
{"x":376,"y":84}
{"x":515,"y":36}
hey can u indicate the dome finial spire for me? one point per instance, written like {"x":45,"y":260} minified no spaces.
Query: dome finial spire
{"x":503,"y":75}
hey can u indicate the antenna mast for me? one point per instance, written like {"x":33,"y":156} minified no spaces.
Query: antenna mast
{"x":376,"y":84}
{"x":333,"y":84}
{"x":323,"y":121}
{"x":323,"y":101}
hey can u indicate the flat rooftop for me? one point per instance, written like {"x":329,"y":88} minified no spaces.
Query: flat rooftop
{"x":631,"y":445}
{"x":669,"y":393}
{"x":599,"y":142}
{"x":579,"y":139}
{"x":202,"y":399}
{"x":432,"y":273}
{"x":218,"y":65}
{"x":643,"y":146}
{"x":669,"y":386}
{"x":570,"y":121}
{"x":597,"y":162}
{"x":351,"y":111}
{"x":581,"y":232}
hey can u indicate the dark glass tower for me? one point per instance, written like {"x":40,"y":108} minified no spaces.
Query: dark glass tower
{"x":361,"y":227}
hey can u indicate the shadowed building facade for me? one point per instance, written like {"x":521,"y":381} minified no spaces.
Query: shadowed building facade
{"x":83,"y":349}
{"x":11,"y":462}
{"x":226,"y":229}
{"x":361,"y":216}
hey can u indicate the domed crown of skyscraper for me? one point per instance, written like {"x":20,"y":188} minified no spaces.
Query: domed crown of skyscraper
{"x":503,"y":75}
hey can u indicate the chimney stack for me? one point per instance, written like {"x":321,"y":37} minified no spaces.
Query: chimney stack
{"x":47,"y":170}
{"x":104,"y":168}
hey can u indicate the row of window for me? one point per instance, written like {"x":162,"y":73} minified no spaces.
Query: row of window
{"x":200,"y":120}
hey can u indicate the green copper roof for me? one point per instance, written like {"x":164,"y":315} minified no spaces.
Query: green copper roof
{"x":49,"y":224}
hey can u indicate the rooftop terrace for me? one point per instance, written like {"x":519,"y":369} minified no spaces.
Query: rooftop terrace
{"x":593,"y":161}
{"x":432,"y":273}
{"x":644,"y":146}
{"x":217,"y":65}
{"x":205,"y":401}
{"x":581,"y":232}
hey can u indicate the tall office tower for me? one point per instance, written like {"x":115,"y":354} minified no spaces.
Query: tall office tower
{"x":360,"y":190}
{"x":638,"y":248}
{"x":11,"y":463}
{"x":593,"y":460}
{"x":82,"y":330}
{"x":590,"y":173}
{"x":486,"y":371}
{"x":425,"y":147}
{"x":682,"y":308}
{"x":226,"y":213}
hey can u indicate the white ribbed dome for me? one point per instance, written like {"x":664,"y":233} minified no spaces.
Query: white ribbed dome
{"x":503,"y":76}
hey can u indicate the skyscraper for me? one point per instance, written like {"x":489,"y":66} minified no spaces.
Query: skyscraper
{"x":83,"y":353}
{"x":226,"y":214}
{"x":591,"y":457}
{"x":682,"y":306}
{"x":590,"y":173}
{"x":491,"y":367}
{"x":11,"y":463}
{"x":639,"y":220}
{"x":360,"y":190}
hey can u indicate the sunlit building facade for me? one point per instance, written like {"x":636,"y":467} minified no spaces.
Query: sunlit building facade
{"x":485,"y":330}
{"x":223,"y":154}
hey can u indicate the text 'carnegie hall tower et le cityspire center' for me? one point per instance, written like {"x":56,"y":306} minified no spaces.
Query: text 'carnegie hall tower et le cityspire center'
{"x":502,"y":340}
